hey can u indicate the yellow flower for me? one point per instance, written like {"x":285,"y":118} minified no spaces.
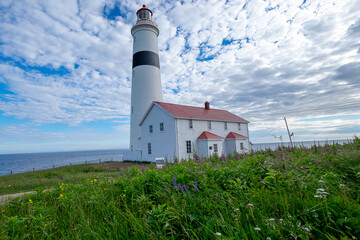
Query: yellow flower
{"x":61,"y":196}
{"x":62,"y":183}
{"x":2,"y":203}
{"x":91,"y":181}
{"x":95,"y":180}
{"x":43,"y":191}
{"x":7,"y":195}
{"x":124,"y":195}
{"x":30,"y":201}
{"x":9,"y":185}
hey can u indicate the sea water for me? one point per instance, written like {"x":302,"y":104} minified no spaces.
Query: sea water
{"x":18,"y":163}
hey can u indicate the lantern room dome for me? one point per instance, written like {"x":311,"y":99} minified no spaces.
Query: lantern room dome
{"x":144,"y":13}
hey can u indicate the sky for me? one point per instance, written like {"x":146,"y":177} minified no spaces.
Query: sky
{"x":65,"y":68}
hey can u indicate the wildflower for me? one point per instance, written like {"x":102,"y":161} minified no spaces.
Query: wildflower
{"x":342,"y":185}
{"x":30,"y":201}
{"x":61,"y":196}
{"x":257,"y":229}
{"x":271,"y":219}
{"x":264,"y":163}
{"x":174,"y":181}
{"x":268,"y":238}
{"x":2,"y":210}
{"x":195,"y":187}
{"x":218,"y":234}
{"x":9,"y":185}
{"x":250,"y":205}
{"x":320,"y":193}
{"x":123,"y":195}
{"x":236,"y":219}
{"x":43,"y":191}
{"x":235,"y":210}
{"x":321,"y":181}
{"x":179,"y":187}
{"x":7,"y":196}
{"x":95,"y":179}
{"x":185,"y":189}
{"x":2,"y":203}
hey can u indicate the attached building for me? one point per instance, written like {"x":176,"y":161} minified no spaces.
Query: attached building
{"x":177,"y":131}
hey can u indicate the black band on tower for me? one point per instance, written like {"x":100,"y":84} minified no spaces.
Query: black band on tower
{"x":146,"y":58}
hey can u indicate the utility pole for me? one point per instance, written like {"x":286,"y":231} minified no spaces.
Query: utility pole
{"x":288,"y":132}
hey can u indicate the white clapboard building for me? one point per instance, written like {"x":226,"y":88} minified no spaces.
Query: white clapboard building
{"x":178,"y":131}
{"x":165,"y":130}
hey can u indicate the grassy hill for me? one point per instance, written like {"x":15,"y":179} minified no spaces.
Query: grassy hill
{"x":284,"y":194}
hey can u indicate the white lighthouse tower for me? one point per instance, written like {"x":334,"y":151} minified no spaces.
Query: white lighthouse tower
{"x":146,"y":81}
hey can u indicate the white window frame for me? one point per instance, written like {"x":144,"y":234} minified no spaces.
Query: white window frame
{"x":216,"y":148}
{"x":149,"y":148}
{"x":162,"y":128}
{"x":188,"y":146}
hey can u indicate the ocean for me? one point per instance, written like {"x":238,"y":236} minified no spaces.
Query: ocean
{"x":25,"y":162}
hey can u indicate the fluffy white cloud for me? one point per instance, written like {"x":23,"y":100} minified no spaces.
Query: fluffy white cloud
{"x":70,"y":61}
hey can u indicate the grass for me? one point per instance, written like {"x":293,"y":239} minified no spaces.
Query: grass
{"x":51,"y":178}
{"x":284,"y":194}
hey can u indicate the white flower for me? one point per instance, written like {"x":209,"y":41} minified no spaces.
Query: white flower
{"x":250,"y":205}
{"x":257,"y":229}
{"x":268,"y":238}
{"x":342,"y":185}
{"x":271,"y":219}
{"x":218,"y":234}
{"x":321,"y":181}
{"x":236,"y":210}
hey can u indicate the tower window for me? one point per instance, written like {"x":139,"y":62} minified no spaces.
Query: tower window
{"x":209,"y":124}
{"x":149,"y":148}
{"x":215,"y":148}
{"x":188,"y":146}
{"x":150,"y":128}
{"x":161,"y":127}
{"x":225,"y":125}
{"x":190,"y":123}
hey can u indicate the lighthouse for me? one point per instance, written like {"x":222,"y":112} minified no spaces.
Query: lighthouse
{"x":146,"y":80}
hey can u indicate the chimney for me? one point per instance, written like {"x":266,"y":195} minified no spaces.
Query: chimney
{"x":207,"y":105}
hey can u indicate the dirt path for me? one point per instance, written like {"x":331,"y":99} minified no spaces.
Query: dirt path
{"x":8,"y":197}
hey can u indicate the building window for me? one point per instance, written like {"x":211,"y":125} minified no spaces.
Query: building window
{"x":215,"y":148}
{"x":149,"y":148}
{"x":241,"y":146}
{"x":161,"y":127}
{"x":188,"y":146}
{"x":132,"y":148}
{"x":150,"y":128}
{"x":209,"y":124}
{"x":239,"y":126}
{"x":190,"y":123}
{"x":225,"y":125}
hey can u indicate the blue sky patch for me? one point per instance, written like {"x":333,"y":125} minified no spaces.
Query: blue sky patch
{"x":341,"y":117}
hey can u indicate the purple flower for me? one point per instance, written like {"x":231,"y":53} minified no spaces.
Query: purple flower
{"x":195,"y":187}
{"x":174,"y":181}
{"x":264,"y":163}
{"x":179,"y":187}
{"x":185,"y":189}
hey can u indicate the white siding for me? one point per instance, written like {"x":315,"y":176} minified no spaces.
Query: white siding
{"x":185,"y":133}
{"x":163,"y":144}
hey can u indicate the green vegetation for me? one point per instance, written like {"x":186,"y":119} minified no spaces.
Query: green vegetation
{"x":50,"y":178}
{"x":305,"y":193}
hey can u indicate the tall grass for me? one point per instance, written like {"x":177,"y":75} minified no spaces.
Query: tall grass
{"x":284,"y":194}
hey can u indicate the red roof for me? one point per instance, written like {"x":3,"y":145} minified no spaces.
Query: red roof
{"x":234,"y":135}
{"x":209,"y":135}
{"x":189,"y":112}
